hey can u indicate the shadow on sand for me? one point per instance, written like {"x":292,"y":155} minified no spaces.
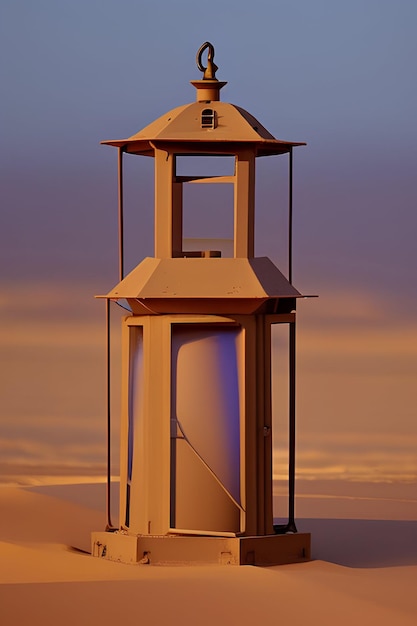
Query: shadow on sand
{"x":362,"y":543}
{"x":348,"y":542}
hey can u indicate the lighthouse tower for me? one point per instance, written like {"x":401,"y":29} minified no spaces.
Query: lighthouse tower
{"x":196,"y":434}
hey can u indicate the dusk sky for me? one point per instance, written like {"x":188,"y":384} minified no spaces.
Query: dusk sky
{"x":339,"y":76}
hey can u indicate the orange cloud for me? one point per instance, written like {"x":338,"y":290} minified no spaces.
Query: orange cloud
{"x":356,"y":392}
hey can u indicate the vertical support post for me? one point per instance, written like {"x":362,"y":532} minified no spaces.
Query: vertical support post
{"x":263,"y":426}
{"x":120,"y":212}
{"x":290,"y":185}
{"x":158,"y":358}
{"x":248,"y":359}
{"x":292,"y":367}
{"x":164,"y":203}
{"x":244,"y":205}
{"x":291,"y":453}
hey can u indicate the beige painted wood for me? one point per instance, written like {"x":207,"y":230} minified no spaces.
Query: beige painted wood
{"x":150,"y":485}
{"x":164,"y":203}
{"x":244,"y":205}
{"x":192,"y":550}
{"x":205,"y":278}
{"x":158,"y":411}
{"x":179,"y":484}
{"x":182,"y":125}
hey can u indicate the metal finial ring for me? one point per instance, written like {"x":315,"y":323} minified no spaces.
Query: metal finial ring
{"x":202,"y":48}
{"x":210,"y":70}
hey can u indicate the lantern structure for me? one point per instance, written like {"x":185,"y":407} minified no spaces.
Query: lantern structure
{"x":196,"y":432}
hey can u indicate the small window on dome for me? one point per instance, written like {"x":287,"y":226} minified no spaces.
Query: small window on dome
{"x":208,"y":118}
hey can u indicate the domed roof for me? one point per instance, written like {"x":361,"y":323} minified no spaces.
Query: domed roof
{"x":185,"y":125}
{"x":208,"y":125}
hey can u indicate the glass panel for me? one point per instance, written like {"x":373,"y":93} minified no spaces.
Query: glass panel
{"x":206,"y":428}
{"x":135,"y":411}
{"x":200,"y":165}
{"x":207,"y":211}
{"x":208,"y":207}
{"x":138,"y":214}
{"x":280,"y":412}
{"x":271,"y":215}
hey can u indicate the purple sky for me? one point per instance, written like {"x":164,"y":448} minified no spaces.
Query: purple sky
{"x":338,"y":75}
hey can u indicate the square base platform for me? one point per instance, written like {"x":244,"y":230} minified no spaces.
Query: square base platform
{"x":187,"y":550}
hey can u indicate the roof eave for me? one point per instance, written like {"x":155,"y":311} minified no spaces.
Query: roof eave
{"x":264,"y":147}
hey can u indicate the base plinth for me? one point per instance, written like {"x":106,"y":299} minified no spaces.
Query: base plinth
{"x":180,"y":550}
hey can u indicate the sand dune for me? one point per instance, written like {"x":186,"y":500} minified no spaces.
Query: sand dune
{"x":45,"y":581}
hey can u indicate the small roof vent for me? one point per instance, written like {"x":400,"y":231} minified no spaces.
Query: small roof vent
{"x":208,"y":118}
